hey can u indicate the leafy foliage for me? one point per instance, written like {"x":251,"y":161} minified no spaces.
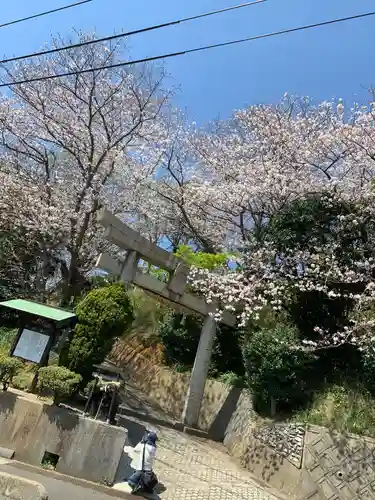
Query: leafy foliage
{"x":18,"y":261}
{"x":305,"y":225}
{"x":201,"y":259}
{"x":103,"y":315}
{"x":309,"y":222}
{"x":149,"y":313}
{"x":9,"y":368}
{"x":341,"y":407}
{"x":275,"y":369}
{"x":180,"y":335}
{"x":92,"y":283}
{"x":7,"y":336}
{"x":232,"y":379}
{"x":58,"y":380}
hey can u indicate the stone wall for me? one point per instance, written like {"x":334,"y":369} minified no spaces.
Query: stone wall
{"x":169,"y":389}
{"x":87,"y":448}
{"x":303,"y":462}
{"x":342,"y":465}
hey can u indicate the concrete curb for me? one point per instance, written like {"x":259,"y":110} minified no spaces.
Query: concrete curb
{"x":19,"y":488}
{"x":100,"y":488}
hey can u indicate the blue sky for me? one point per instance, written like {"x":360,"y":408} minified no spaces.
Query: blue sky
{"x":333,"y":61}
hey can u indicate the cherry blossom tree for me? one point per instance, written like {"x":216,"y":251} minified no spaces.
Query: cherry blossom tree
{"x":169,"y":201}
{"x":222,"y":186}
{"x":259,"y":164}
{"x":77,"y":143}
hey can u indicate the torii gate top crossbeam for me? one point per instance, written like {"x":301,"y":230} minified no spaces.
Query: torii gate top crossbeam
{"x":126,"y":238}
{"x":138,"y":247}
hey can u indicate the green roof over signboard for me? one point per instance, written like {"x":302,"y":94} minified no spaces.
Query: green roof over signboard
{"x":35,"y":309}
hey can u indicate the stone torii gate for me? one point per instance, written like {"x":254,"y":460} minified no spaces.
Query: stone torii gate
{"x":137,"y":247}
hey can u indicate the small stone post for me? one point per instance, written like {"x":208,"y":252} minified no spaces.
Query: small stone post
{"x":198,"y":377}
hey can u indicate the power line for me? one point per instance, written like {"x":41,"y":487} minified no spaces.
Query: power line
{"x":189,"y":51}
{"x":130,"y":33}
{"x":46,"y":13}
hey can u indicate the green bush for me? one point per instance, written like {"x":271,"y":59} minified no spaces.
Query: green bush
{"x":276,"y":371}
{"x":179,"y":335}
{"x":7,"y":336}
{"x":103,"y":315}
{"x":57,"y":380}
{"x":23,"y":380}
{"x":232,"y":379}
{"x":9,"y":368}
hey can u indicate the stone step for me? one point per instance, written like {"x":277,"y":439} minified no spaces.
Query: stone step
{"x":195,"y":432}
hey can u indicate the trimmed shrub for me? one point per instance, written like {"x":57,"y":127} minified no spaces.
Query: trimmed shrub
{"x":59,"y":381}
{"x":9,"y":368}
{"x":103,"y":315}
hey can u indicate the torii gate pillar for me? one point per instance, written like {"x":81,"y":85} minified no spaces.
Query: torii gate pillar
{"x":138,"y":247}
{"x":194,"y":397}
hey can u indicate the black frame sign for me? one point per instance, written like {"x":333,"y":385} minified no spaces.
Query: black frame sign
{"x":34,"y":340}
{"x":31,"y":345}
{"x":40,"y":327}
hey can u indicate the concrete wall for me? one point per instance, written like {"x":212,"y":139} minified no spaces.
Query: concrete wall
{"x":265,"y":450}
{"x":87,"y":448}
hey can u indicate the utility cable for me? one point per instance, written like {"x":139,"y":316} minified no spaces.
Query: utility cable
{"x":46,"y":13}
{"x":189,"y":51}
{"x":130,"y":33}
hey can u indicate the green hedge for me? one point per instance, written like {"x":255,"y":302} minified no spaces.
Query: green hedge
{"x":57,"y":380}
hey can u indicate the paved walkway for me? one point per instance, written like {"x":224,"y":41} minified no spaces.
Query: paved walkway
{"x":187,"y":467}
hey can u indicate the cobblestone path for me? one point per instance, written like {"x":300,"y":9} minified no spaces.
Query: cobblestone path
{"x":191,"y":468}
